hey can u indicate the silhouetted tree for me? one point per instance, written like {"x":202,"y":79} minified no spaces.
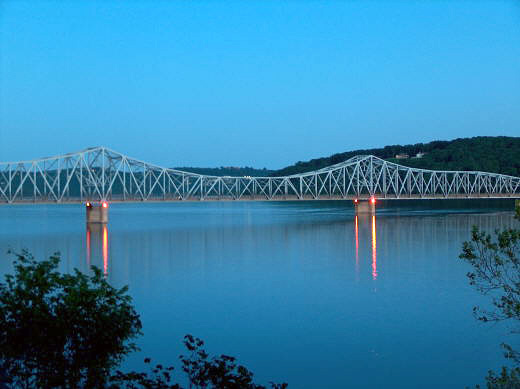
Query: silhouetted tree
{"x":62,"y":330}
{"x":221,"y":372}
{"x":495,"y":272}
{"x":73,"y":331}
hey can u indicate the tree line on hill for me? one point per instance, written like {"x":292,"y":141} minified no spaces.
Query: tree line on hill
{"x":495,"y":154}
{"x":231,"y":171}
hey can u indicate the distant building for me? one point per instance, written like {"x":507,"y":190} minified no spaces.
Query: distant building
{"x":420,"y":155}
{"x":402,"y":156}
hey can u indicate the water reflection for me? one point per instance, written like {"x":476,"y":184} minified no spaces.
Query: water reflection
{"x":198,"y":247}
{"x":287,"y":273}
{"x":356,"y":229}
{"x":88,"y":246}
{"x":364,"y":221}
{"x":97,"y":235}
{"x":374,"y":248}
{"x":105,"y":250}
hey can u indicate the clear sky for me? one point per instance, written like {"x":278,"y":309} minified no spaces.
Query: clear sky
{"x":260,"y":83}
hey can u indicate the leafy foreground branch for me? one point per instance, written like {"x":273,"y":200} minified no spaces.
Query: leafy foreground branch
{"x":74,"y":330}
{"x":495,"y":272}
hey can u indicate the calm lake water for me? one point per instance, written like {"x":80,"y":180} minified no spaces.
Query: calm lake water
{"x":302,"y":292}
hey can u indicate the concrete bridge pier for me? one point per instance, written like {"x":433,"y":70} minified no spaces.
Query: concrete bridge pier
{"x":97,"y":213}
{"x":365,"y":206}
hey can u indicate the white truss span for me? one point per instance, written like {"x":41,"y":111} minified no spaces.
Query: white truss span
{"x":99,"y":173}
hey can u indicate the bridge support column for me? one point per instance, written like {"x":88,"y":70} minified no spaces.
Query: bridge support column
{"x":97,"y":213}
{"x":365,"y":206}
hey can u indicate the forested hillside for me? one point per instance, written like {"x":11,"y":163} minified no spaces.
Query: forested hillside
{"x":498,"y":154}
{"x":228,"y":171}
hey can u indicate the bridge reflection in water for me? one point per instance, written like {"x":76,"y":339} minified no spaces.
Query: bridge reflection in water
{"x":358,"y":240}
{"x":365,"y":221}
{"x":97,"y":236}
{"x":97,"y":242}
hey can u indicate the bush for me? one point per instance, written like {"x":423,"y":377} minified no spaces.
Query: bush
{"x":495,"y":272}
{"x":73,"y":331}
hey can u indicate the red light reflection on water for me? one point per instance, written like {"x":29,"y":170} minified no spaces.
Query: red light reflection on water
{"x":356,"y":228}
{"x":97,"y":235}
{"x":105,"y":250}
{"x":374,"y":248}
{"x":88,"y":246}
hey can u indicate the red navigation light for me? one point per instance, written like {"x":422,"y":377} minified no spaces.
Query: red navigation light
{"x":373,"y":200}
{"x":105,"y":204}
{"x":355,"y":201}
{"x":88,"y":204}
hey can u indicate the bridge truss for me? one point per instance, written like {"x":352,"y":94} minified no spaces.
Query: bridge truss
{"x":98,"y":174}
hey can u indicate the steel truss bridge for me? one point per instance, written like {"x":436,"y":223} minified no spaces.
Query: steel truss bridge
{"x":101,"y":174}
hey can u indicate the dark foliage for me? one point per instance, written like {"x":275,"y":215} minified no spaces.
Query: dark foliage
{"x":495,"y":263}
{"x":159,"y":377}
{"x":496,"y":154}
{"x":507,"y":379}
{"x":228,"y":171}
{"x":218,"y":372}
{"x":62,"y":330}
{"x":221,"y":372}
{"x":73,"y":331}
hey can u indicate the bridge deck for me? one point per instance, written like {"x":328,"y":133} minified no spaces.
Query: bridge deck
{"x":264,"y":199}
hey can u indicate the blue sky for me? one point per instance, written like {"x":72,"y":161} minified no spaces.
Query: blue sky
{"x":259,"y":83}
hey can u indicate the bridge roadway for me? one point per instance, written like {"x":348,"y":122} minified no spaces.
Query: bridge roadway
{"x":101,"y":174}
